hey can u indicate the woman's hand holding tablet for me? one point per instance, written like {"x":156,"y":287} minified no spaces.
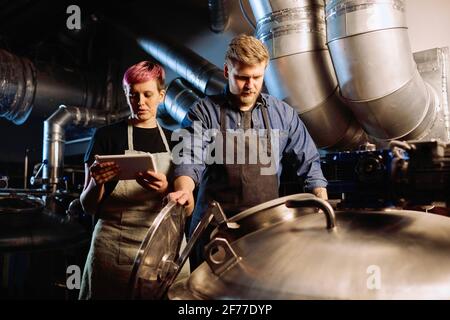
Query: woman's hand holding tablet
{"x":130,"y":165}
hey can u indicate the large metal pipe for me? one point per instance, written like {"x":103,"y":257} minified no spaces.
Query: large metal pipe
{"x":219,"y":15}
{"x":301,"y":72}
{"x":179,"y":99}
{"x":25,"y":86}
{"x":378,"y":78}
{"x":54,"y":137}
{"x":17,"y":87}
{"x":199,"y":72}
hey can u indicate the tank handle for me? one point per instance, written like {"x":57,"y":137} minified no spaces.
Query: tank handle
{"x":318,"y":203}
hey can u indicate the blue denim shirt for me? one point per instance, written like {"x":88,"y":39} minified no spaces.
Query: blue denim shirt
{"x":293,"y":137}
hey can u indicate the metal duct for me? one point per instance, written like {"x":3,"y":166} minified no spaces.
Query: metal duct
{"x":378,"y":78}
{"x":17,"y":87}
{"x":54,"y":137}
{"x":219,"y":15}
{"x":179,"y":99}
{"x":25,"y":86}
{"x":301,"y":72}
{"x":199,"y":72}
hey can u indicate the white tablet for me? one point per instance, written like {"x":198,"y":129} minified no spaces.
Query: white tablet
{"x":130,"y":164}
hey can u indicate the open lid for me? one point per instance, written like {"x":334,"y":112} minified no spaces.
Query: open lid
{"x":157,"y":262}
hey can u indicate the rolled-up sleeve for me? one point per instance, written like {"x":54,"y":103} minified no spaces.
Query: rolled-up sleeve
{"x":301,"y":144}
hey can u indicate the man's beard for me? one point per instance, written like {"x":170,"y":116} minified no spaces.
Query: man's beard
{"x":248,"y":100}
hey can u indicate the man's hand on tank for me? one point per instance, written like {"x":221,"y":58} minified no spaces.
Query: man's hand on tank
{"x":184,"y":198}
{"x":321,"y":193}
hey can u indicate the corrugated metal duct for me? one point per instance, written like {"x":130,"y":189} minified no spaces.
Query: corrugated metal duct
{"x":369,"y":45}
{"x":25,"y":86}
{"x":301,"y":72}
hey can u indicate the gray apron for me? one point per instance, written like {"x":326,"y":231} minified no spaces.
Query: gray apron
{"x":236,"y":187}
{"x":124,"y":219}
{"x":242,"y":186}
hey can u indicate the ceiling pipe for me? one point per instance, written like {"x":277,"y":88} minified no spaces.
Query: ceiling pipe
{"x":378,"y":78}
{"x":301,"y":72}
{"x":199,"y":72}
{"x":25,"y":86}
{"x":54,"y":137}
{"x":179,"y":99}
{"x":219,"y":15}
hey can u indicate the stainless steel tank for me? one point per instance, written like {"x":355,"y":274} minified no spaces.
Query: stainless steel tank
{"x":285,"y":249}
{"x":37,"y":246}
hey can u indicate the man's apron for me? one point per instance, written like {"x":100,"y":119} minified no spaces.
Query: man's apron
{"x":124,"y":219}
{"x":235,"y":186}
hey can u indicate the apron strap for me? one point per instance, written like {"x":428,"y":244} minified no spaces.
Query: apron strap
{"x":130,"y":137}
{"x":161,"y":132}
{"x":267,"y":125}
{"x":163,"y":137}
{"x":222,"y":119}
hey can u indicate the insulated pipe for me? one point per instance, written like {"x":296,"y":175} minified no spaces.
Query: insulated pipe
{"x":199,"y":72}
{"x":301,"y":72}
{"x":54,"y":137}
{"x":17,"y":87}
{"x":378,"y":78}
{"x":179,"y":99}
{"x":219,"y":15}
{"x":25,"y":86}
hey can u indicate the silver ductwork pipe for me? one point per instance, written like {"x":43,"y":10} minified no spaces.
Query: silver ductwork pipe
{"x":179,"y":99}
{"x":301,"y":72}
{"x":378,"y":78}
{"x":219,"y":15}
{"x":25,"y":86}
{"x":54,"y":137}
{"x":17,"y":87}
{"x":199,"y":72}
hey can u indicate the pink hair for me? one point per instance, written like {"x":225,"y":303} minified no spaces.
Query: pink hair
{"x":142,"y":72}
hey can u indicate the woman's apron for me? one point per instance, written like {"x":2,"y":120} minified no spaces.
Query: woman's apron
{"x":124,"y":219}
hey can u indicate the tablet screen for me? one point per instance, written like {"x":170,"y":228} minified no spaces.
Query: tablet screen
{"x":131,"y":164}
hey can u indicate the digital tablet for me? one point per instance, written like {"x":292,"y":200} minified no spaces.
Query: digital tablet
{"x":130,"y":164}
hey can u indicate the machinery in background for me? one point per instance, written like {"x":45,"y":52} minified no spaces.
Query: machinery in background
{"x":314,"y":254}
{"x":409,"y":174}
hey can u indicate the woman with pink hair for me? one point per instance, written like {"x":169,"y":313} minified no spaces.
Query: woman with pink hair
{"x":125,"y":208}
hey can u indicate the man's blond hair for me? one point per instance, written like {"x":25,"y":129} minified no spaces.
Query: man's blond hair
{"x":247,"y":49}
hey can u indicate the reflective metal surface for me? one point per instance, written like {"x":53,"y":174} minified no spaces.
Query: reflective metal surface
{"x":433,"y":67}
{"x":179,"y":99}
{"x":20,"y":204}
{"x":27,"y":86}
{"x":200,"y":73}
{"x":17,"y":87}
{"x":377,"y":75}
{"x":54,"y":137}
{"x":301,"y":72}
{"x":219,"y":15}
{"x":388,"y":254}
{"x":157,"y":263}
{"x":25,"y":225}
